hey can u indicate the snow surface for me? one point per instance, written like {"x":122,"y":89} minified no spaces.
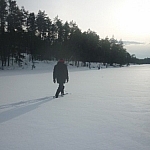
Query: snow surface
{"x":107,"y":109}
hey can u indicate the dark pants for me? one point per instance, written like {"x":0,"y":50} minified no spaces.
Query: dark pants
{"x":60,"y":89}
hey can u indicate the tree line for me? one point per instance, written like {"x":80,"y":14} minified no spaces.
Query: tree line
{"x":46,"y":39}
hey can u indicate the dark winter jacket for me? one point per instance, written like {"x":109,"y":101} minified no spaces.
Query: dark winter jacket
{"x":60,"y":73}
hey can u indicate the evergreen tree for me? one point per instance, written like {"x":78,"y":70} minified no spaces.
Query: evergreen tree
{"x":3,"y":15}
{"x":75,"y":39}
{"x":15,"y":22}
{"x":41,"y":25}
{"x":90,"y":45}
{"x":31,"y":30}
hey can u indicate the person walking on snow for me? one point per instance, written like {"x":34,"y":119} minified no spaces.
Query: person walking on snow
{"x":60,"y":74}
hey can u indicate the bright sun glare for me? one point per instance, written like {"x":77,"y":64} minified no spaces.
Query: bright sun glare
{"x":133,"y":17}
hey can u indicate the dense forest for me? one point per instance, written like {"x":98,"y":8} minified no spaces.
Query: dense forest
{"x":46,"y":39}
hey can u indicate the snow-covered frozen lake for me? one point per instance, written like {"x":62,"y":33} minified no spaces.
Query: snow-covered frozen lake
{"x":107,"y":109}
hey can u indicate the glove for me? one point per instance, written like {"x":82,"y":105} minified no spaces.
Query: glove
{"x":54,"y":80}
{"x":67,"y":80}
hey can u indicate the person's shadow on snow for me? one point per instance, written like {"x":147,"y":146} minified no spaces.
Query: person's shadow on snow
{"x":20,"y":108}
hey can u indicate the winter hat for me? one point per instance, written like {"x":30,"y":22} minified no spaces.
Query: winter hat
{"x":61,"y":60}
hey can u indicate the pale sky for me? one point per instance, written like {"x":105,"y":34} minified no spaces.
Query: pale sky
{"x":128,"y":20}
